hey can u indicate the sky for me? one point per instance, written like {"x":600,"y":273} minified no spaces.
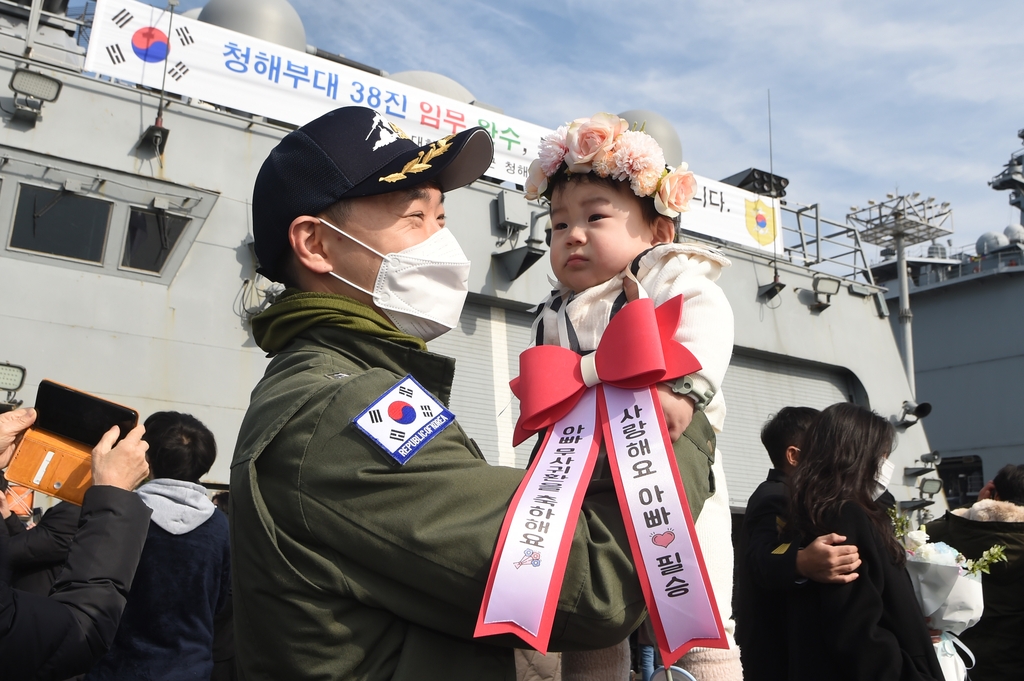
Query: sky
{"x":867,"y":97}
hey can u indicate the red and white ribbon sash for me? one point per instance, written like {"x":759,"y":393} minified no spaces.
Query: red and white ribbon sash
{"x":533,"y":546}
{"x":661,"y":531}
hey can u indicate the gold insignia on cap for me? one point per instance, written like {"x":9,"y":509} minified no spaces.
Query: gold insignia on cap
{"x":422,"y":160}
{"x":398,"y":131}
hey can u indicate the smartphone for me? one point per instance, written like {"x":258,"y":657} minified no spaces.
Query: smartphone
{"x":55,"y":455}
{"x":79,"y":416}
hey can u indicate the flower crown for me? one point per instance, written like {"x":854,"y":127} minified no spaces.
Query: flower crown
{"x":605,"y":144}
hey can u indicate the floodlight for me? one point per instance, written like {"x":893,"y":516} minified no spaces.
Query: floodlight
{"x":12,"y":377}
{"x":930,"y":486}
{"x":35,"y":85}
{"x":31,"y":89}
{"x":824,"y":289}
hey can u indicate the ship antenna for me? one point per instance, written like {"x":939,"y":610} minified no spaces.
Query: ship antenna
{"x":771,"y":171}
{"x":163,"y":82}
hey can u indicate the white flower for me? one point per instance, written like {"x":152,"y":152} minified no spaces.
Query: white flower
{"x":915,"y":539}
{"x":552,"y":150}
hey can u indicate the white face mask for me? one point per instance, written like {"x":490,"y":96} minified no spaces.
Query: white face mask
{"x":421,"y":289}
{"x":882,"y":477}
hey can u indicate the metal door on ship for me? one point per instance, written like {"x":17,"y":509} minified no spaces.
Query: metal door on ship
{"x":755,"y":388}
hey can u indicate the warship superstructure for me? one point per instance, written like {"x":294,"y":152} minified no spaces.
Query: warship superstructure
{"x":127,"y":260}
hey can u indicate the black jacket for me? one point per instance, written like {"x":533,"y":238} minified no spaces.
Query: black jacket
{"x":60,"y":636}
{"x":765,"y":571}
{"x":870,"y":629}
{"x":997,"y":639}
{"x":37,"y":555}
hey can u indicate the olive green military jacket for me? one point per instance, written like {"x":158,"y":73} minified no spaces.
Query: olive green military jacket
{"x":348,"y":565}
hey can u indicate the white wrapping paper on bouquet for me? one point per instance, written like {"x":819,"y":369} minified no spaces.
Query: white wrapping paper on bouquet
{"x":949,"y":597}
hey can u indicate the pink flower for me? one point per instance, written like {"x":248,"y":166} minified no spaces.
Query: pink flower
{"x":638,"y":157}
{"x":590,"y":138}
{"x":675,"y":191}
{"x":536,"y":181}
{"x":552,"y":150}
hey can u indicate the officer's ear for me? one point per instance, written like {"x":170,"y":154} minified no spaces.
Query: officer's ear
{"x":305,"y":235}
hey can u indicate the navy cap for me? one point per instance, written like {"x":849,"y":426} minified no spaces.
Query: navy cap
{"x":344,"y":154}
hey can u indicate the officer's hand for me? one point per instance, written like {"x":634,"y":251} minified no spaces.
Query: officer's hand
{"x":12,"y":425}
{"x":123,"y":466}
{"x":825,"y":561}
{"x":5,"y":508}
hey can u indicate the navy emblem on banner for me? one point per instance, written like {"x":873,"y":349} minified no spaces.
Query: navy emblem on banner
{"x":403,"y":419}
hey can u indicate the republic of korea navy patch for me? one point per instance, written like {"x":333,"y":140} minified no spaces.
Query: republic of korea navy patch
{"x":404,"y":419}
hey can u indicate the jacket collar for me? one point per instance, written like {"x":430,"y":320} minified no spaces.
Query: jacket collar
{"x":990,"y":510}
{"x":434,"y":372}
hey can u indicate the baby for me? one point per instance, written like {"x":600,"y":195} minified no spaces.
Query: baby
{"x":613,"y":209}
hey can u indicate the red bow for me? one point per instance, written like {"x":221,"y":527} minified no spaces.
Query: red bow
{"x":636,"y":350}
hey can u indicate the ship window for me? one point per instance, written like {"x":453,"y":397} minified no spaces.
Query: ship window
{"x":151,"y":238}
{"x":60,"y":223}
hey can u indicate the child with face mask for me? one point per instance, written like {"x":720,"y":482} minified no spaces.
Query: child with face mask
{"x":613,"y":204}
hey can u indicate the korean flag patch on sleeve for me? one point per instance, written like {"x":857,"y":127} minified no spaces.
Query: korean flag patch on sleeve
{"x":404,"y":419}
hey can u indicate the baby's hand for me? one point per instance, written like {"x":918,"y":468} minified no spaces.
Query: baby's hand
{"x":678,"y":410}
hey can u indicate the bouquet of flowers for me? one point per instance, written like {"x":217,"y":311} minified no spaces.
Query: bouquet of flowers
{"x":947,"y":585}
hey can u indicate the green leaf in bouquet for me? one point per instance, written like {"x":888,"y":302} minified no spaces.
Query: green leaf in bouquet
{"x":996,"y":554}
{"x":900,"y":523}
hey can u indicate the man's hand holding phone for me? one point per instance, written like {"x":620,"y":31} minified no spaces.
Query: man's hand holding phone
{"x":123,"y":466}
{"x":12,"y":425}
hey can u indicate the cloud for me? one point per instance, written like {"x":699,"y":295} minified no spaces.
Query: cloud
{"x":866,"y":96}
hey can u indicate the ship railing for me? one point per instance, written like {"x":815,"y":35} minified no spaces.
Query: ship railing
{"x":926,"y":270}
{"x":970,"y":265}
{"x":77,"y":25}
{"x":823,"y":245}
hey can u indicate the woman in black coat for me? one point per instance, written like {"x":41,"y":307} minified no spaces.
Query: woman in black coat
{"x":871,"y":628}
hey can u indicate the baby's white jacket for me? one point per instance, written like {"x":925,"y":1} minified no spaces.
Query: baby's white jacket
{"x":664,"y":271}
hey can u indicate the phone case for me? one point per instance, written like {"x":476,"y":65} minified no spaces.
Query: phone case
{"x":52,"y":465}
{"x":21,"y":500}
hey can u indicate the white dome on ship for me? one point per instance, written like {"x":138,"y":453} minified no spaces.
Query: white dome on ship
{"x":1015,"y":234}
{"x":436,"y":83}
{"x":275,"y":21}
{"x":990,"y":241}
{"x":658,"y":127}
{"x":192,"y":13}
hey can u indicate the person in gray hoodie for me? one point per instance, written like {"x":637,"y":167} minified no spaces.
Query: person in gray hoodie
{"x":183,"y":579}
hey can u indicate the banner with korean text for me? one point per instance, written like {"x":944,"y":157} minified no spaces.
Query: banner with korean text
{"x":138,"y":43}
{"x":732,"y":214}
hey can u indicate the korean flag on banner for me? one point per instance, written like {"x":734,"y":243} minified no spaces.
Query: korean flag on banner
{"x":138,"y":43}
{"x":404,"y":419}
